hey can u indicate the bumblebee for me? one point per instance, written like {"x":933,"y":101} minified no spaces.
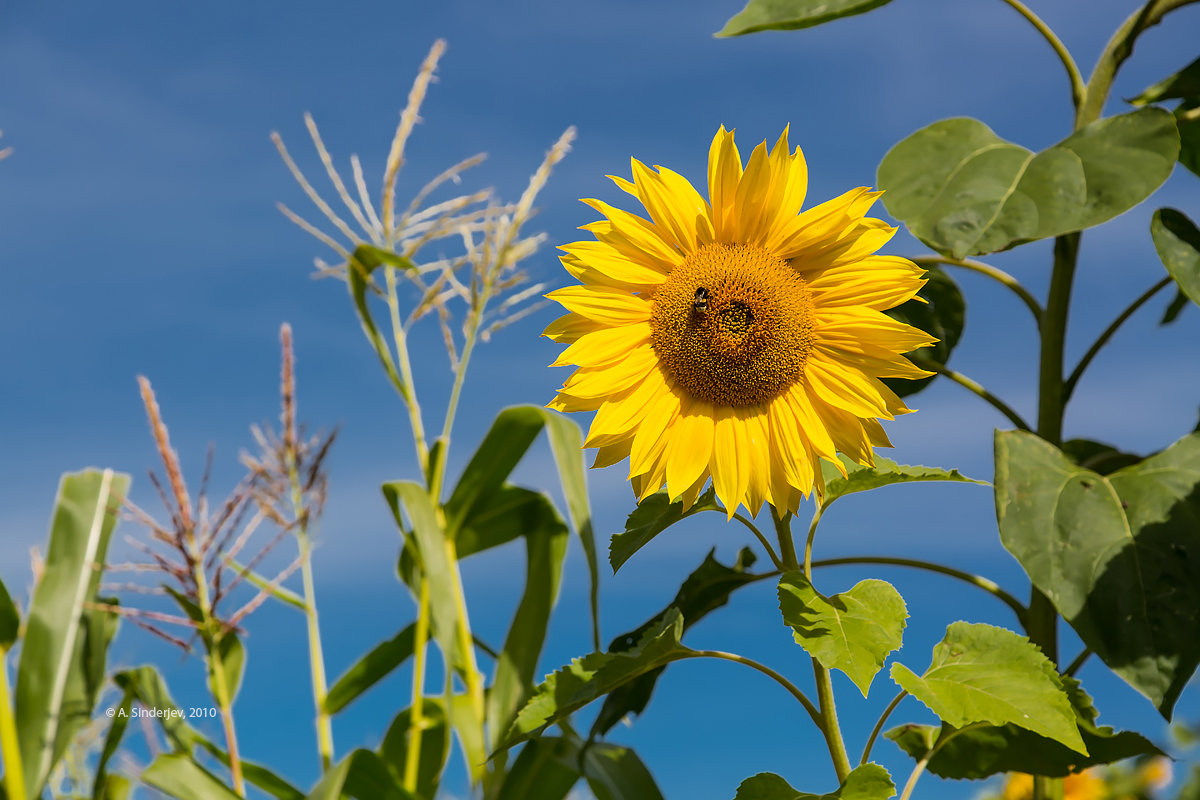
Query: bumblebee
{"x":700,"y":303}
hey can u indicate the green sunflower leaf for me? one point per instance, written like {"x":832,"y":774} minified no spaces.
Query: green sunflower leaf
{"x":591,"y":677}
{"x":866,"y":782}
{"x":1119,"y":556}
{"x":885,"y":473}
{"x":942,"y":314}
{"x":1177,"y":241}
{"x":1098,"y":456}
{"x":1183,"y":85}
{"x":651,"y":517}
{"x":981,"y":673}
{"x":789,"y":15}
{"x":965,"y":191}
{"x":545,"y":769}
{"x":978,"y":752}
{"x":617,"y":773}
{"x":853,"y":631}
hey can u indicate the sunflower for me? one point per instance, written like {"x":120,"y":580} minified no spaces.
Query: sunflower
{"x":1086,"y":785}
{"x":739,"y":338}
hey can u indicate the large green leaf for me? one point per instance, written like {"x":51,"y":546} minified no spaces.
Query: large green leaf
{"x":981,"y":673}
{"x":788,"y":15}
{"x":361,"y":775}
{"x":853,"y":631}
{"x":62,"y":653}
{"x":478,"y":507}
{"x":885,"y":473}
{"x":979,"y":751}
{"x":865,"y":782}
{"x":706,"y":589}
{"x":112,"y":740}
{"x":588,"y":678}
{"x":435,"y":746}
{"x":10,"y":619}
{"x":938,"y":309}
{"x":370,"y":669}
{"x":545,"y":548}
{"x":651,"y":517}
{"x":963,"y":190}
{"x":1119,"y":556}
{"x":430,"y":540}
{"x":1178,"y":243}
{"x":616,"y":773}
{"x":178,"y":776}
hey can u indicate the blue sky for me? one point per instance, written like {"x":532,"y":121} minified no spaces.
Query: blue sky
{"x":140,"y":237}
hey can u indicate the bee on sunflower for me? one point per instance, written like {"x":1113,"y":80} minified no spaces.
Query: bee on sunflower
{"x":739,"y":338}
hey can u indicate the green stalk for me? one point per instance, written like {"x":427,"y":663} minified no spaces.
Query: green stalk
{"x":412,"y":759}
{"x":1109,"y":332}
{"x":14,"y":778}
{"x":216,"y":668}
{"x":828,"y":710}
{"x":410,"y":393}
{"x":316,"y":658}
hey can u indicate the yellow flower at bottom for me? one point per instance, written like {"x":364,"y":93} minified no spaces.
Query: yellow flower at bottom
{"x":1086,"y":785}
{"x":737,"y":339}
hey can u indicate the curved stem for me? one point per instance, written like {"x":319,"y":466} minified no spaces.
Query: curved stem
{"x":912,"y":778}
{"x":828,"y":709}
{"x":1078,"y":89}
{"x":1119,"y":48}
{"x":887,"y":712}
{"x":989,"y":586}
{"x":762,"y":540}
{"x":1078,"y":662}
{"x":996,"y":274}
{"x":1077,"y":373}
{"x":770,"y":673}
{"x":973,"y":387}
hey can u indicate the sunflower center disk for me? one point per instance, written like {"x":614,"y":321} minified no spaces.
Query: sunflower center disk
{"x":733,"y":324}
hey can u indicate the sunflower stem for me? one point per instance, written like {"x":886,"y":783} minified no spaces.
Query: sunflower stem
{"x":772,"y":674}
{"x":1077,"y":373}
{"x":996,"y":274}
{"x":762,"y":540}
{"x":828,"y":710}
{"x":887,"y":712}
{"x":989,"y":586}
{"x":1078,"y":89}
{"x":973,"y":387}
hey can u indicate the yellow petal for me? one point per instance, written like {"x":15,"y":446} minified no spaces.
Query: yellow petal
{"x":690,"y":446}
{"x":569,"y":328}
{"x":730,"y":461}
{"x":604,"y":382}
{"x":724,"y":172}
{"x":603,"y":304}
{"x":604,"y":346}
{"x":650,"y":439}
{"x":611,"y":264}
